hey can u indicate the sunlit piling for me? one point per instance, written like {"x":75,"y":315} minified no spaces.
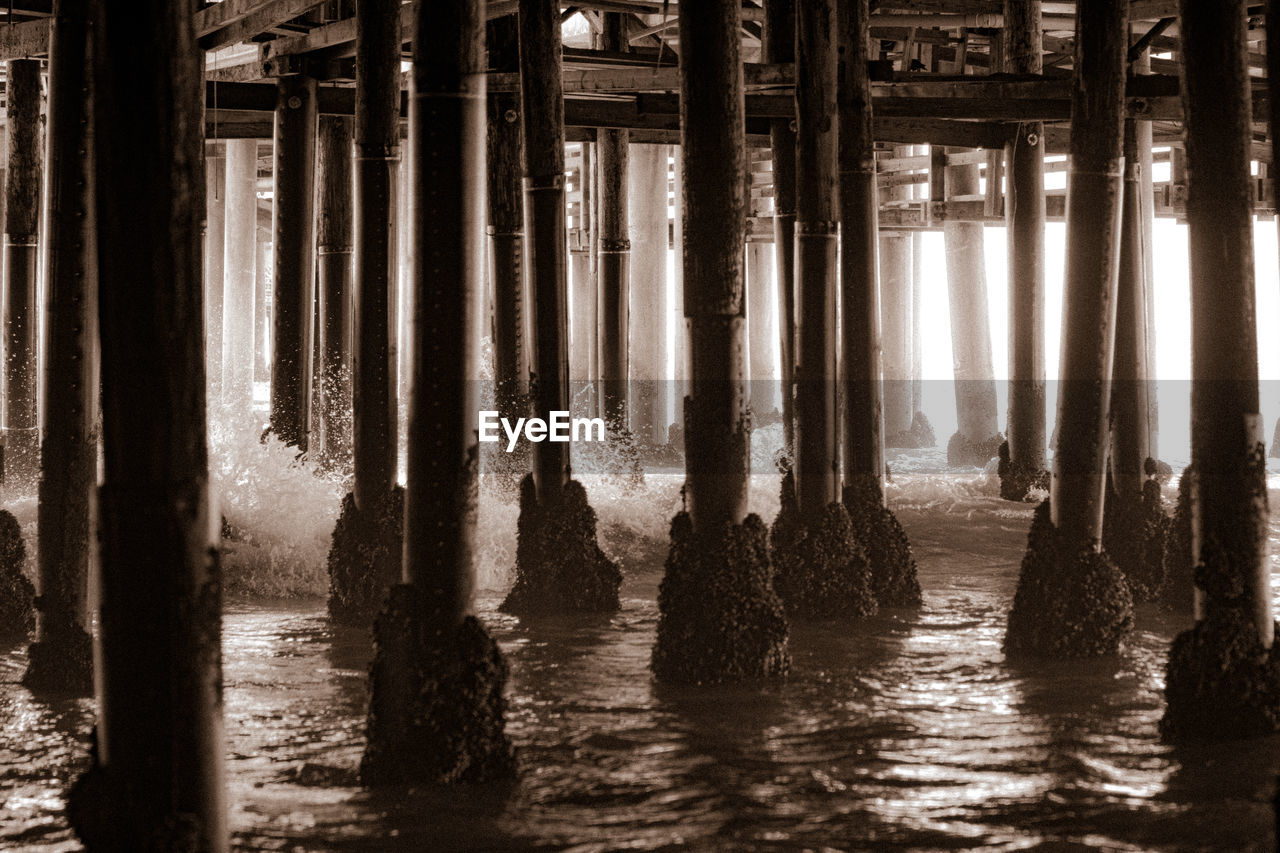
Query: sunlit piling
{"x":977,"y":438}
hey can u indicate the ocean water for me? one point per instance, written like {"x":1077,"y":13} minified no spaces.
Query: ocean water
{"x":908,"y":731}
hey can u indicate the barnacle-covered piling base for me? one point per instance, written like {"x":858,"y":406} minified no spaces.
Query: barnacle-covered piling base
{"x":17,"y":594}
{"x":1071,"y":602}
{"x":436,"y":710}
{"x":559,"y":565}
{"x":919,"y":434}
{"x":364,"y":559}
{"x":962,"y":450}
{"x":1220,"y":683}
{"x":1017,"y":480}
{"x":894,"y":580}
{"x":1178,"y":592}
{"x":720,"y":618}
{"x":1135,"y":531}
{"x":104,"y":815}
{"x":822,"y":567}
{"x":62,"y":661}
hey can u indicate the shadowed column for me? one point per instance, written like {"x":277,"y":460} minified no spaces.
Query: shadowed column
{"x":559,"y":564}
{"x":614,"y":257}
{"x":436,"y":708}
{"x":1023,"y":464}
{"x":61,"y":660}
{"x":741,"y":631}
{"x":364,"y":559}
{"x":294,"y":228}
{"x":1072,"y":601}
{"x":1223,"y":678}
{"x":22,"y":316}
{"x":157,"y":777}
{"x":506,"y":231}
{"x":817,"y":481}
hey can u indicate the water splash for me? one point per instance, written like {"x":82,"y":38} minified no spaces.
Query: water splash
{"x":278,"y":511}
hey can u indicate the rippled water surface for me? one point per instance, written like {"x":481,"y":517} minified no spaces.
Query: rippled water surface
{"x":909,"y":731}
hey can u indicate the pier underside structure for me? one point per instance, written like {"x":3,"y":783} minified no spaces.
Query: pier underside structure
{"x":470,"y":206}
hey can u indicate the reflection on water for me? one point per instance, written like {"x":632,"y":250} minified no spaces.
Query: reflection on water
{"x":909,"y":731}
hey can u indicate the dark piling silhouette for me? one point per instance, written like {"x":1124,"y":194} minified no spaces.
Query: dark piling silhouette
{"x":367,"y":545}
{"x":1072,"y":601}
{"x":1223,"y":676}
{"x":1023,"y":466}
{"x":61,"y":659}
{"x":436,"y":709}
{"x":157,"y":777}
{"x":556,"y":521}
{"x":719,"y":617}
{"x":876,"y":530}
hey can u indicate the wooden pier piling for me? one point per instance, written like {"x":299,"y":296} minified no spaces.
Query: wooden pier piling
{"x":157,"y":777}
{"x":61,"y":659}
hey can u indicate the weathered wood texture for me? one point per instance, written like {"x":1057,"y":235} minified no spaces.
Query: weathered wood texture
{"x":613,"y":271}
{"x":778,"y":46}
{"x":377,"y":156}
{"x":448,"y":150}
{"x":506,"y":228}
{"x":1130,"y":407}
{"x":1230,"y":504}
{"x":717,"y":434}
{"x":1095,"y":189}
{"x":863,"y":423}
{"x":334,"y":237}
{"x":69,"y":457}
{"x":1025,"y":218}
{"x":22,"y":314}
{"x":817,"y":231}
{"x":543,"y":125}
{"x":293,"y":224}
{"x":159,"y":739}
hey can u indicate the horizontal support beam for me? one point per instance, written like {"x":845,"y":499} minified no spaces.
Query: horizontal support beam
{"x":26,"y":40}
{"x":263,"y":17}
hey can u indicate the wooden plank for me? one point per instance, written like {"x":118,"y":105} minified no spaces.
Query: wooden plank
{"x":213,"y":18}
{"x":25,"y":40}
{"x":268,"y":15}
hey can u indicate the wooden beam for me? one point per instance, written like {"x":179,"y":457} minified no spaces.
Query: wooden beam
{"x":220,"y":15}
{"x":267,"y":16}
{"x":26,"y":40}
